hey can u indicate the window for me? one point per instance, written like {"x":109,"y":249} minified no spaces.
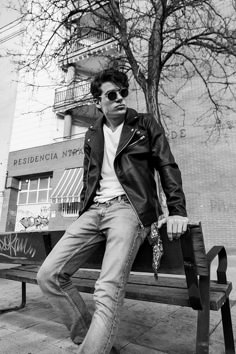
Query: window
{"x":70,"y":209}
{"x":34,"y":190}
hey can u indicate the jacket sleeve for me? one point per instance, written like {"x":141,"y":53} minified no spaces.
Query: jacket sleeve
{"x":164,"y":162}
{"x":85,"y":173}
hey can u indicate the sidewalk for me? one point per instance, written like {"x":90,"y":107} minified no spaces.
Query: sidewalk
{"x":146,"y":328}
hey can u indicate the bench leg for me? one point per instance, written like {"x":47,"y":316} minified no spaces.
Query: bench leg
{"x":203,"y":321}
{"x":23,"y":301}
{"x":227,"y":328}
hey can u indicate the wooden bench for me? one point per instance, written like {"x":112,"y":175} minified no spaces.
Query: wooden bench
{"x":186,"y":259}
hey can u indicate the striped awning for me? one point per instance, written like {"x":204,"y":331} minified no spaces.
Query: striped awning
{"x":69,"y":186}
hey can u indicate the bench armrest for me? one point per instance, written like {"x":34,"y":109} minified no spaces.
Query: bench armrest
{"x":191,"y":270}
{"x":219,"y":251}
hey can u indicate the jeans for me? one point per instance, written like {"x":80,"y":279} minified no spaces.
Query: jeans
{"x":116,"y":223}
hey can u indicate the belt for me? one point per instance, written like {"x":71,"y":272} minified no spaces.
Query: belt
{"x":119,"y":198}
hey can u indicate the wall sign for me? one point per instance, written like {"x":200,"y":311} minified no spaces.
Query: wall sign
{"x":46,"y":158}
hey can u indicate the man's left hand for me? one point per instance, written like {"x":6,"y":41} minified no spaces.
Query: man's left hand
{"x":176,"y":225}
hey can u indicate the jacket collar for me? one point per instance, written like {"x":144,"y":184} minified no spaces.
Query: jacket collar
{"x":128,"y":129}
{"x":127,"y":132}
{"x":130,"y":119}
{"x":131,"y":116}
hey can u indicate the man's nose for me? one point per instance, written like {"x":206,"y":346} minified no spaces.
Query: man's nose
{"x":119,"y":97}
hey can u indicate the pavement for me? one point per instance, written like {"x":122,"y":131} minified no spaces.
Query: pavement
{"x":145,"y":328}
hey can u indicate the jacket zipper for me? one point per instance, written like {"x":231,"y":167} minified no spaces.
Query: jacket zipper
{"x":141,"y":224}
{"x":86,"y":182}
{"x":127,"y":143}
{"x":137,"y":141}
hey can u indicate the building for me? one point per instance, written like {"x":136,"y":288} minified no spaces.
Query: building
{"x":46,"y":151}
{"x":44,"y":172}
{"x":10,"y":32}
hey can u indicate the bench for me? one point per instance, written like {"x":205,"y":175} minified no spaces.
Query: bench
{"x":184,"y":275}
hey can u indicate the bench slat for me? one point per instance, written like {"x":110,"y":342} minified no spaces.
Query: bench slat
{"x":170,"y":290}
{"x":19,"y":275}
{"x":148,"y":280}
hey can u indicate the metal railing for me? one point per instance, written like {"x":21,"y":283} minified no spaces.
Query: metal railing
{"x":73,"y":93}
{"x":89,"y":40}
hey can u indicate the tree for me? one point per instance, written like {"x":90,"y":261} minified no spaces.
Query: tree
{"x":161,"y":41}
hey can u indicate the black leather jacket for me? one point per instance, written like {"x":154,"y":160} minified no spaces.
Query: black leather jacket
{"x":143,"y":147}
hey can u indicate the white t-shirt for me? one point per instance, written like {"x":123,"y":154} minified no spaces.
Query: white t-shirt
{"x":110,"y":187}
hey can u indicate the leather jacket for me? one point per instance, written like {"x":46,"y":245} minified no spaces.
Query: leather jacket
{"x":143,"y":148}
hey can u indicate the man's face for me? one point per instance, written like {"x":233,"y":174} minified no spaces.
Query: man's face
{"x":112,"y":108}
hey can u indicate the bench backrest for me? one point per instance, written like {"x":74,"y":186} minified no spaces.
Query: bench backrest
{"x":178,"y":255}
{"x":33,"y":247}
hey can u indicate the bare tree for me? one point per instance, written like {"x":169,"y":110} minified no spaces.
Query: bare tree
{"x":161,"y":41}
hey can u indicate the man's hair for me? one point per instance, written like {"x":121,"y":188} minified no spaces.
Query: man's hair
{"x":109,"y":75}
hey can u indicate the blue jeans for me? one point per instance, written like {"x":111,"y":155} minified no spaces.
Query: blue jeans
{"x":117,"y":224}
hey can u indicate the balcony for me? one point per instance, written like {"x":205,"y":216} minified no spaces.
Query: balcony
{"x":91,"y":41}
{"x":85,"y":51}
{"x":72,"y":96}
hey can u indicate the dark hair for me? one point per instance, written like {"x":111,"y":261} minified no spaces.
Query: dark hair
{"x":109,"y":75}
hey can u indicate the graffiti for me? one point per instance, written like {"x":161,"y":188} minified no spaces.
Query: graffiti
{"x":220,"y":205}
{"x":230,"y":124}
{"x":173,"y":134}
{"x":29,"y":221}
{"x":12,"y":246}
{"x":32,"y":217}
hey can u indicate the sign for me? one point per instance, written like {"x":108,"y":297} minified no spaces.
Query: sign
{"x":47,"y":157}
{"x":66,"y":154}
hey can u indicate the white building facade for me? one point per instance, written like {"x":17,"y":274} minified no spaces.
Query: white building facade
{"x":45,"y":161}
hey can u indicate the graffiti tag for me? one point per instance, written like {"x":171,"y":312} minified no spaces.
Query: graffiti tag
{"x":12,"y":246}
{"x":173,"y":134}
{"x":39,"y":222}
{"x":221,"y":205}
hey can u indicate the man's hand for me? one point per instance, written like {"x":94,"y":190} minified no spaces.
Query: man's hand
{"x":176,"y":225}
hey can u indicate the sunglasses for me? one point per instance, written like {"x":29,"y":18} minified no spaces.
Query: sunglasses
{"x":112,"y":95}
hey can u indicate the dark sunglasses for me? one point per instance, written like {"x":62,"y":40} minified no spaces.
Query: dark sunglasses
{"x":112,"y":95}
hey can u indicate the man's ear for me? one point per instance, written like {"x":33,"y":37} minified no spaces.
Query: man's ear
{"x":97,"y":102}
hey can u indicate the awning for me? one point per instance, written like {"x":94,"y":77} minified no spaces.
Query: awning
{"x":69,"y":187}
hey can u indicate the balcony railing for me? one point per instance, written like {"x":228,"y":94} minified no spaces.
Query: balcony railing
{"x":92,"y":39}
{"x":79,"y":92}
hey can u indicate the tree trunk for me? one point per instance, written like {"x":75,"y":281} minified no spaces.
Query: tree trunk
{"x":151,"y":97}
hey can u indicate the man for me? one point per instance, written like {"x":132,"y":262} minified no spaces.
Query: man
{"x":119,"y":204}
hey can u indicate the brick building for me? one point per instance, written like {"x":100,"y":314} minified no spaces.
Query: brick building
{"x":46,"y":153}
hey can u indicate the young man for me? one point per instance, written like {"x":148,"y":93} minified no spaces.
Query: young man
{"x":119,"y":203}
